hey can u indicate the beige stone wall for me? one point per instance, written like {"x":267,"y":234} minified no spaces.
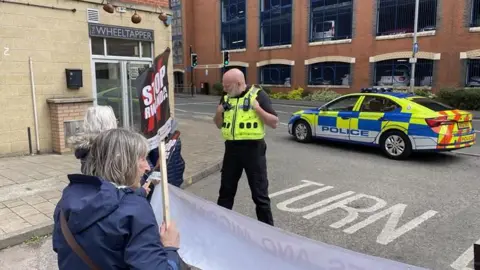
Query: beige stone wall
{"x":55,"y":40}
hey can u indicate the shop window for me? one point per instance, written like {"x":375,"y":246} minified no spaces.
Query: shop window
{"x":475,"y":21}
{"x":275,"y":22}
{"x":329,"y":73}
{"x":396,"y":73}
{"x":276,"y":75}
{"x":98,"y":47}
{"x":121,"y":47}
{"x":473,"y":73}
{"x":243,"y":69}
{"x":233,"y":28}
{"x":330,"y":19}
{"x":398,"y":16}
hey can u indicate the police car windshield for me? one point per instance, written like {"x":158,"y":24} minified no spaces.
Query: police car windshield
{"x":432,"y":104}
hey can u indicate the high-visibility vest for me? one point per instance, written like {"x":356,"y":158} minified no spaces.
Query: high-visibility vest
{"x":240,"y":124}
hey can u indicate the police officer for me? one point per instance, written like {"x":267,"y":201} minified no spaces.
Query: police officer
{"x":242,"y":115}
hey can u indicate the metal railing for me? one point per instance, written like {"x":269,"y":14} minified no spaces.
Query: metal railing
{"x":397,"y":73}
{"x":398,"y":16}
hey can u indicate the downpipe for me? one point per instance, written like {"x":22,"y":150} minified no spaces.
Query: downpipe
{"x":34,"y":101}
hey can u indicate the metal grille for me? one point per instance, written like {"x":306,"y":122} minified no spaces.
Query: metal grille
{"x":330,"y":19}
{"x":93,"y":15}
{"x":233,"y":24}
{"x":276,"y":75}
{"x":475,"y":22}
{"x":473,"y":73}
{"x":329,"y":73}
{"x":275,"y":22}
{"x":397,"y":73}
{"x":398,"y":16}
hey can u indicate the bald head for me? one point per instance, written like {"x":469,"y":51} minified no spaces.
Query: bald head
{"x":233,"y":82}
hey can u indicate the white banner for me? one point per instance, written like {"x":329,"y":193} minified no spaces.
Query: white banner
{"x":214,"y":238}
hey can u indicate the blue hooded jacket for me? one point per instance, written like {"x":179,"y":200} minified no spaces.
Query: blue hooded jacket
{"x":116,"y":227}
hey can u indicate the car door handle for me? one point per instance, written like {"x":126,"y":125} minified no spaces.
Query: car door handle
{"x":381,"y":119}
{"x":345,"y":117}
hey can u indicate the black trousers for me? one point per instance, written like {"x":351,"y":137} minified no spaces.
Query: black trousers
{"x":251,"y":157}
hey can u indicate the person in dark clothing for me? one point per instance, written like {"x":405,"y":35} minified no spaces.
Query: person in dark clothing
{"x":115,"y":227}
{"x":242,"y":115}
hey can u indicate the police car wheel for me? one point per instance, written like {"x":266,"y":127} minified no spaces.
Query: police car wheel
{"x":396,"y":145}
{"x":302,"y":131}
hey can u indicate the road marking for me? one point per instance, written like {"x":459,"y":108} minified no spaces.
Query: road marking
{"x":283,"y":112}
{"x":390,"y":232}
{"x":293,"y":106}
{"x":465,"y":259}
{"x":202,"y":113}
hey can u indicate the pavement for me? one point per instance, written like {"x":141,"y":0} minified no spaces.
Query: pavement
{"x":30,"y":186}
{"x":423,"y":211}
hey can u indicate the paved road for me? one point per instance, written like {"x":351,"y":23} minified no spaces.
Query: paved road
{"x":204,"y":107}
{"x":423,"y":211}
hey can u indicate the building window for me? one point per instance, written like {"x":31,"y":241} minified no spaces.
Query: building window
{"x":177,"y":32}
{"x":243,"y":69}
{"x":233,"y":26}
{"x":330,"y":19}
{"x":121,"y":47}
{"x":275,"y":22}
{"x":276,"y":75}
{"x":398,"y":16}
{"x":475,"y":14}
{"x":473,"y":73}
{"x":329,"y":73}
{"x":396,"y":73}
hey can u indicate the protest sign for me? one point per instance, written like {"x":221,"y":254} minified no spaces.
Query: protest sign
{"x":152,"y":88}
{"x":215,"y":238}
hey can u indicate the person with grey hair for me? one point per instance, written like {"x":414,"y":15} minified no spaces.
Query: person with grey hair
{"x":97,"y":119}
{"x":101,"y":223}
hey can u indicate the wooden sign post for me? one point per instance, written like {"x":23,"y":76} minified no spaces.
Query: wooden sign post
{"x":163,"y":170}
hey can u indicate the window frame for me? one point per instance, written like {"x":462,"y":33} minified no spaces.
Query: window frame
{"x":469,"y":63}
{"x":378,"y":97}
{"x":261,"y":80}
{"x":311,"y":39}
{"x":335,"y":63}
{"x":225,"y":48}
{"x":261,"y":38}
{"x":397,"y":28}
{"x":326,"y":108}
{"x":475,"y":4}
{"x":105,"y":54}
{"x":393,"y":69}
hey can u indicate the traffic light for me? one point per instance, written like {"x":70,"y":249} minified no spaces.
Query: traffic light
{"x":226,"y":58}
{"x":194,"y":59}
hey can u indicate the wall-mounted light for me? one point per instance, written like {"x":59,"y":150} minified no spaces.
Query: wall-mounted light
{"x":108,"y":7}
{"x":136,"y":18}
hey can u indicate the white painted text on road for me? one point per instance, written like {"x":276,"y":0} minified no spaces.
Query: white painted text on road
{"x":391,"y":230}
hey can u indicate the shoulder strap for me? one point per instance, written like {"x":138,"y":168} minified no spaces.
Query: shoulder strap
{"x":67,"y":234}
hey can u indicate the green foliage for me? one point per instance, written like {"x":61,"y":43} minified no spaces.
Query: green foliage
{"x":324,"y":95}
{"x":465,"y":99}
{"x":295,"y":94}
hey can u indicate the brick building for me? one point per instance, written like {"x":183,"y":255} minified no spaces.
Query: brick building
{"x":62,"y":39}
{"x":340,"y":44}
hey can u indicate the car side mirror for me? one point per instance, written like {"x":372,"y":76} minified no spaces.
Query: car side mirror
{"x":322,"y":109}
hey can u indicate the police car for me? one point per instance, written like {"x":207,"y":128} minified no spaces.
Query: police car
{"x":399,"y":123}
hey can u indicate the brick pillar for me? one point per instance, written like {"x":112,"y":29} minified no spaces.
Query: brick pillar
{"x":63,"y":110}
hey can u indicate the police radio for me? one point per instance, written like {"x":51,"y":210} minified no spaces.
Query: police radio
{"x":226,"y":105}
{"x":246,"y":104}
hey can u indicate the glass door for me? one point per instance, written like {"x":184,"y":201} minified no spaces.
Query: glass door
{"x":116,"y":87}
{"x":134,"y":69}
{"x":109,"y":86}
